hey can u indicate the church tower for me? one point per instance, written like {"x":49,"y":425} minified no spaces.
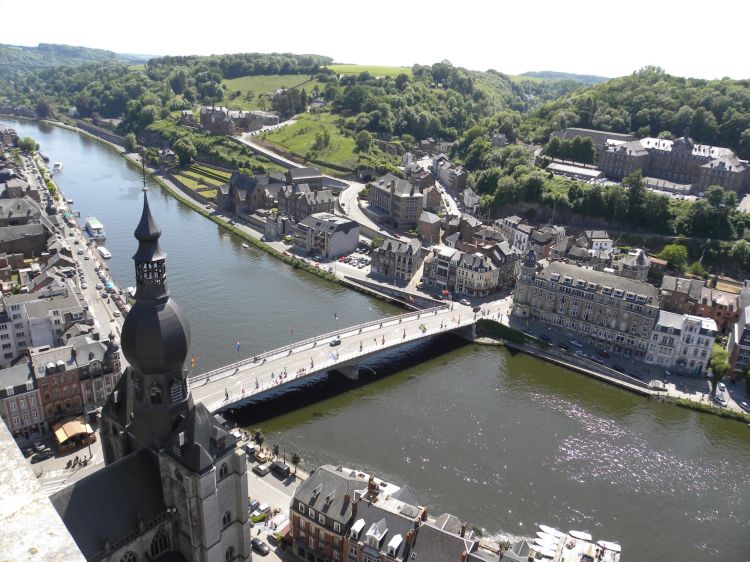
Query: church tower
{"x":522,"y":295}
{"x":201,"y":470}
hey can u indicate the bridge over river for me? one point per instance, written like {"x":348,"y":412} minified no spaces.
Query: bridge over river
{"x":238,"y":383}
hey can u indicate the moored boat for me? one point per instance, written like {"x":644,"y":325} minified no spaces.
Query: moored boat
{"x":106,"y":254}
{"x":95,"y":229}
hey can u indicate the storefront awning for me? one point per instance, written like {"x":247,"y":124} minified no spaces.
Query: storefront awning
{"x":70,"y":428}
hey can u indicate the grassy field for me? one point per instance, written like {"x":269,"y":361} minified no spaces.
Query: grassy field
{"x":299,"y":139}
{"x":202,"y":179}
{"x":372,"y":69}
{"x":263,"y":85}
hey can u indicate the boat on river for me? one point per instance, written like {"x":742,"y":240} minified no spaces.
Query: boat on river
{"x":106,"y":254}
{"x":57,"y":167}
{"x":95,"y":229}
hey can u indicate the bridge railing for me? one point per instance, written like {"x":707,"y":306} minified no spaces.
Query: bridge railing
{"x":260,"y":356}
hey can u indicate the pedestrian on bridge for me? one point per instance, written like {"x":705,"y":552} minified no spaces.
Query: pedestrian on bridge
{"x":226,"y":394}
{"x":360,"y":346}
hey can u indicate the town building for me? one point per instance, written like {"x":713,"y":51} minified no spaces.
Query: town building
{"x":428,"y":228}
{"x":611,"y":312}
{"x":277,"y":226}
{"x":597,"y":240}
{"x":175,"y":481}
{"x":542,"y":239}
{"x":433,"y":200}
{"x":397,"y":199}
{"x":738,"y":346}
{"x":242,"y":194}
{"x":451,"y":176}
{"x":682,"y":343}
{"x":81,"y":373}
{"x":28,"y":239}
{"x":445,"y":539}
{"x":516,"y":231}
{"x":439,"y":270}
{"x":217,"y":121}
{"x":223,"y":121}
{"x":634,"y":265}
{"x":34,"y":320}
{"x":326,"y":235}
{"x":681,"y":161}
{"x":472,"y":274}
{"x":398,"y":259}
{"x":470,"y":200}
{"x":680,"y":295}
{"x":307,"y":176}
{"x":20,"y":403}
{"x":298,"y":201}
{"x":721,"y":306}
{"x":346,"y":515}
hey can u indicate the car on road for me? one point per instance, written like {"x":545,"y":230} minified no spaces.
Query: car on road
{"x":721,"y":387}
{"x":38,"y":447}
{"x":105,"y":294}
{"x":81,"y":251}
{"x":597,"y":359}
{"x":465,"y":302}
{"x":116,"y":313}
{"x":718,"y":398}
{"x":545,"y":337}
{"x":280,"y":468}
{"x":602,"y":353}
{"x":261,"y":469}
{"x":260,"y":547}
{"x":528,"y":333}
{"x":99,"y":286}
{"x":252,"y":506}
{"x":476,"y":309}
{"x":335,"y":341}
{"x":576,"y":343}
{"x":581,"y":353}
{"x":87,"y":257}
{"x":84,"y":286}
{"x":745,"y":406}
{"x":43,"y":456}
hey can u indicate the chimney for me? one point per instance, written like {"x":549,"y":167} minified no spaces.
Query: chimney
{"x":410,"y":537}
{"x":463,"y":529}
{"x":424,"y":515}
{"x":464,"y":557}
{"x":354,"y":509}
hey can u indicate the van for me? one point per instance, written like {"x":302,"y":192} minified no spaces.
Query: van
{"x":281,"y":469}
{"x":250,"y":449}
{"x":260,"y":457}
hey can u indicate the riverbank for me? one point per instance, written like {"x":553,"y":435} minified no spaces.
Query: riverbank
{"x":223,"y":221}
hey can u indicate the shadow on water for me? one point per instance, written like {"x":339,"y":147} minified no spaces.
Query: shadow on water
{"x":375,"y":375}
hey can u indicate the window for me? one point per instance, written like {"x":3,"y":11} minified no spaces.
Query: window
{"x":301,"y":507}
{"x":129,"y":556}
{"x":223,"y":471}
{"x":337,"y":527}
{"x":226,"y":519}
{"x":313,"y":543}
{"x":160,"y":542}
{"x":321,"y":519}
{"x":311,"y":513}
{"x":229,"y":554}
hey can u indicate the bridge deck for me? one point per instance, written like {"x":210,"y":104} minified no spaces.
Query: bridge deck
{"x":236,"y":383}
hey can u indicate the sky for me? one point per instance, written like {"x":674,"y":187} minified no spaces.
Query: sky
{"x":582,"y":36}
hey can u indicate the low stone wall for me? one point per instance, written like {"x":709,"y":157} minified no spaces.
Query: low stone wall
{"x":186,"y":190}
{"x":100,"y":132}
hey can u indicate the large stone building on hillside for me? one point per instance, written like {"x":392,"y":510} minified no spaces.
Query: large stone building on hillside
{"x":175,"y":483}
{"x":681,"y":161}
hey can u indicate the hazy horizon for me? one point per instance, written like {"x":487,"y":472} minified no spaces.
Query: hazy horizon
{"x":582,"y":37}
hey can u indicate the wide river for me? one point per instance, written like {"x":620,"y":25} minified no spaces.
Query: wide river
{"x":503,"y":441}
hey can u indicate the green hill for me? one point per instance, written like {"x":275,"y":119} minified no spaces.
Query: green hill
{"x":553,"y":75}
{"x":47,"y":55}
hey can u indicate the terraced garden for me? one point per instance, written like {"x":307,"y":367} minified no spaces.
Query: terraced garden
{"x":202,"y":179}
{"x":254,"y":90}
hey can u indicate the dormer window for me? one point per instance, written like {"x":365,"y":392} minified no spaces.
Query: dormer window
{"x":154,"y":393}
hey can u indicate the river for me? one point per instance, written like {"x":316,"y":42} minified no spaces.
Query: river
{"x":503,"y":441}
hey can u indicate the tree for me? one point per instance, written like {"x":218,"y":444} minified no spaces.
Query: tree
{"x":178,"y":82}
{"x":258,"y":437}
{"x":296,"y":460}
{"x":719,"y":365}
{"x":28,"y":144}
{"x":675,"y":254}
{"x":185,"y":151}
{"x":275,"y":449}
{"x":377,"y":242}
{"x":43,"y":109}
{"x":696,"y":268}
{"x":740,"y":252}
{"x":715,"y":196}
{"x":131,"y":143}
{"x":362,"y":141}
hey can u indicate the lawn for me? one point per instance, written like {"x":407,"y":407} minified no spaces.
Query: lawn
{"x":263,"y":85}
{"x":299,"y":138}
{"x":202,"y":179}
{"x":372,"y":69}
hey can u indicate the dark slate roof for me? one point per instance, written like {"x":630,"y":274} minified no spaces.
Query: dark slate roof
{"x":411,"y":246}
{"x":406,"y":495}
{"x":107,"y":504}
{"x":600,"y":279}
{"x":400,"y":186}
{"x":329,"y":223}
{"x":693,"y":287}
{"x":429,"y":217}
{"x":598,"y":137}
{"x":15,"y":377}
{"x":441,"y":544}
{"x":8,"y":233}
{"x":317,"y":197}
{"x":392,"y":523}
{"x":327,"y":480}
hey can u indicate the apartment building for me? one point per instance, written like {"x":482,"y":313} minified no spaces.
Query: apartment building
{"x":682,"y":343}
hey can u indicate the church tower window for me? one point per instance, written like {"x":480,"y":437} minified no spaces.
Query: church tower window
{"x":160,"y":542}
{"x":154,"y":392}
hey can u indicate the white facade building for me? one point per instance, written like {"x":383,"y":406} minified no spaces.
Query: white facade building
{"x":682,"y":342}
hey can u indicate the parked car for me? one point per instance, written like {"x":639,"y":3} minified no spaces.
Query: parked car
{"x":27,"y":452}
{"x":745,"y":406}
{"x":43,"y":456}
{"x":280,"y":468}
{"x":260,"y":547}
{"x":261,"y":469}
{"x":564,"y":347}
{"x":581,"y":353}
{"x":596,"y":359}
{"x":252,"y":506}
{"x":718,"y":398}
{"x":249,"y":449}
{"x":335,"y":341}
{"x":116,"y":313}
{"x":465,"y":302}
{"x":545,"y":337}
{"x":39,"y":447}
{"x":721,"y":387}
{"x":476,"y":309}
{"x":602,"y":353}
